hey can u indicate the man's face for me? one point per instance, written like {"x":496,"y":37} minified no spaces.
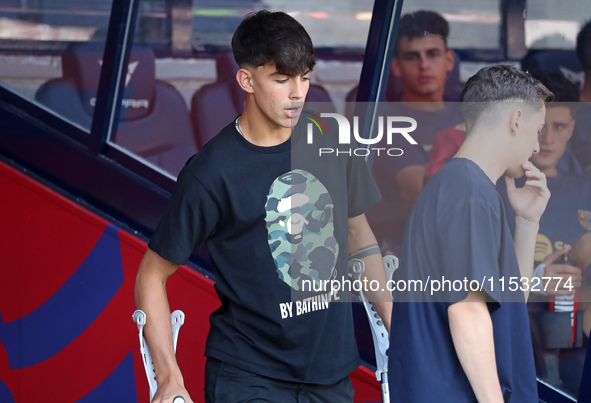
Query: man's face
{"x":279,"y":97}
{"x":423,"y":64}
{"x":525,"y":142}
{"x":553,"y":138}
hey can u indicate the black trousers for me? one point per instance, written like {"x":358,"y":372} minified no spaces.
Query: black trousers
{"x":225,"y":383}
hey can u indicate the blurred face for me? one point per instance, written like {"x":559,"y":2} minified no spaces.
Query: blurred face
{"x":423,"y":64}
{"x":553,"y":138}
{"x":279,"y":97}
{"x":525,"y":140}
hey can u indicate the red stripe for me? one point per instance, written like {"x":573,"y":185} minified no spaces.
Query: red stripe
{"x":321,"y":121}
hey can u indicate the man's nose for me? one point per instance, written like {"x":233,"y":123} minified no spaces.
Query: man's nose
{"x":546,"y":136}
{"x":424,"y":61}
{"x":297,"y":89}
{"x":537,"y":147}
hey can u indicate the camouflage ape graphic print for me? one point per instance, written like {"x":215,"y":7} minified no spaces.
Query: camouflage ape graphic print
{"x":300,"y":229}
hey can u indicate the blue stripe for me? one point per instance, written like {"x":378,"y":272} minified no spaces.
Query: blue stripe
{"x":5,"y":395}
{"x":47,"y":330}
{"x":118,"y":387}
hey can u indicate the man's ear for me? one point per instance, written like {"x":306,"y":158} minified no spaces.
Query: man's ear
{"x":571,"y":127}
{"x":450,"y":59}
{"x":244,"y":78}
{"x":395,"y":67}
{"x":515,"y":121}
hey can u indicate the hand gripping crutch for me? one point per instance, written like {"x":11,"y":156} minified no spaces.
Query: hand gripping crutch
{"x":177,"y":319}
{"x":379,"y":334}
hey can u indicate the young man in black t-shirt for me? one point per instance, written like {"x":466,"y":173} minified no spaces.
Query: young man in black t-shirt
{"x":274,"y":216}
{"x":467,"y":339}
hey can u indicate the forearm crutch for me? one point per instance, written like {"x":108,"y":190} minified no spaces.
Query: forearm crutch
{"x":379,"y":333}
{"x":177,"y":319}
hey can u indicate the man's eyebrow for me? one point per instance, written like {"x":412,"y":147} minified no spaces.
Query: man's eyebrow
{"x":416,"y":52}
{"x":410,"y":53}
{"x":282,"y":73}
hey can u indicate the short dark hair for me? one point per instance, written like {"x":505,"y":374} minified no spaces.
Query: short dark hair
{"x":563,"y":89}
{"x":500,"y":83}
{"x":422,"y":23}
{"x":273,"y":37}
{"x":584,"y":47}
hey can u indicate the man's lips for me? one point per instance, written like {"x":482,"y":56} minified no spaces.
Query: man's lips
{"x":425,"y":79}
{"x":293,"y":111}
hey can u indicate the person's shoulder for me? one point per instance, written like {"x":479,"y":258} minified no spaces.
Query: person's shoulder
{"x":573,"y":176}
{"x":462,"y":181}
{"x":220,"y":141}
{"x":458,"y":172}
{"x":573,"y":180}
{"x":220,"y":144}
{"x":213,"y":155}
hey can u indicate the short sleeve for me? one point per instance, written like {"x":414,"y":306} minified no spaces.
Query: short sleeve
{"x":362,"y":191}
{"x":189,"y":219}
{"x":469,"y":248}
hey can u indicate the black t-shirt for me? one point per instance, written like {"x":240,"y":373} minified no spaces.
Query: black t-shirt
{"x":457,"y":230}
{"x":271,"y":218}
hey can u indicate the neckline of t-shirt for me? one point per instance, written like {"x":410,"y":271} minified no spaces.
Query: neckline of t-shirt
{"x":286,"y":145}
{"x":479,"y":170}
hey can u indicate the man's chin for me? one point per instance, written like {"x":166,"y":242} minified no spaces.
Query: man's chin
{"x":543,"y":165}
{"x":294,"y":121}
{"x":515,"y":173}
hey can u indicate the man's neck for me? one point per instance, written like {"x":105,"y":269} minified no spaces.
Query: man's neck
{"x":260,"y":130}
{"x":428,"y":103}
{"x":550,"y":172}
{"x":485,"y":154}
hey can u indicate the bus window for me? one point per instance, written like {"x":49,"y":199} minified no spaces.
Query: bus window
{"x":472,"y":24}
{"x":34,"y":36}
{"x":171,"y":111}
{"x":551,"y":25}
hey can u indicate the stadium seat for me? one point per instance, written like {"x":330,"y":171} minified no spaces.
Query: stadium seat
{"x":154,"y":121}
{"x":215,"y":105}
